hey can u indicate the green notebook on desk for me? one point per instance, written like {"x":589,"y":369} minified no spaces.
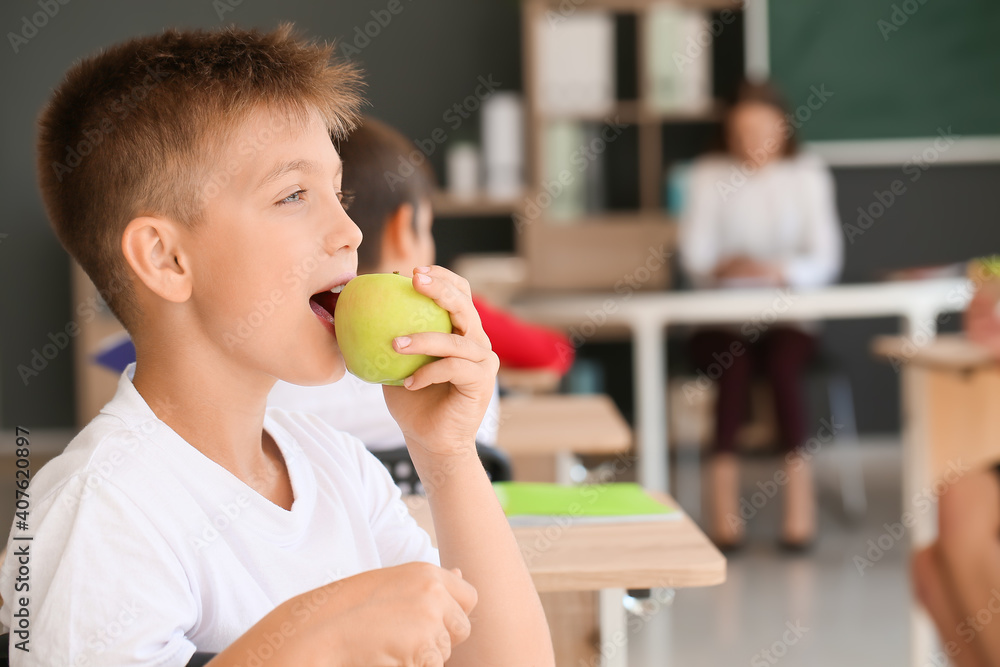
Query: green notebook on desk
{"x":537,"y":504}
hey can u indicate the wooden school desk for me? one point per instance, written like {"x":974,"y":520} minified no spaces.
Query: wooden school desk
{"x":647,"y":314}
{"x":543,"y":433}
{"x":609,"y":558}
{"x":951,"y":416}
{"x":958,"y":415}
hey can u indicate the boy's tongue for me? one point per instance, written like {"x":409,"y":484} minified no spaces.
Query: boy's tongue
{"x":324,"y":304}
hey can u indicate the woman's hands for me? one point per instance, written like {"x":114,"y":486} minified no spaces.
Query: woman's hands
{"x":746,"y":268}
{"x":441,"y":406}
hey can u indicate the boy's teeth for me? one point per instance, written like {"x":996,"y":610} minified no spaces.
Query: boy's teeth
{"x":338,"y":289}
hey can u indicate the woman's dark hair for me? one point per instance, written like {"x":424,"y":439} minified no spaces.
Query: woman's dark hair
{"x":763,"y":92}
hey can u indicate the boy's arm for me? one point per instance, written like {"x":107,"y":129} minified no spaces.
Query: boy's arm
{"x":439,"y":411}
{"x":508,"y":624}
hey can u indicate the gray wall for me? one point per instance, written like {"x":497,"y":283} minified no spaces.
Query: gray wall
{"x":948,"y":215}
{"x":426,"y":59}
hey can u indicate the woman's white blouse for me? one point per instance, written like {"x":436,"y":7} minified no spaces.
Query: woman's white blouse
{"x":784,"y":213}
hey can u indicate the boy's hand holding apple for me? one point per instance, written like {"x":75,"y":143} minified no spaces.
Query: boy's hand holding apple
{"x":441,"y":405}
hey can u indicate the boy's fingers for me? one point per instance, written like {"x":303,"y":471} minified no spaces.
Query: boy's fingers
{"x":459,"y":372}
{"x":445,"y":641}
{"x":461,"y":590}
{"x":431,"y":657}
{"x":440,"y":273}
{"x":437,"y":344}
{"x":458,"y":627}
{"x":451,"y":292}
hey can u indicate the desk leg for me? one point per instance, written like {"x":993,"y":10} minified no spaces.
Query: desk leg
{"x":614,"y":628}
{"x":649,"y":369}
{"x":573,"y":622}
{"x":565,"y":462}
{"x":919,"y":328}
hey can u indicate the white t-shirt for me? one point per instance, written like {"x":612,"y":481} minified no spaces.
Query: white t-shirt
{"x":784,"y":213}
{"x":357,"y":407}
{"x":145,"y":550}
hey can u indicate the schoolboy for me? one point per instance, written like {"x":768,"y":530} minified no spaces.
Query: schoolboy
{"x":186,"y":517}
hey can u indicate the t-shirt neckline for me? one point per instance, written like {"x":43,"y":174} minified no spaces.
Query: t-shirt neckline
{"x":288,"y":523}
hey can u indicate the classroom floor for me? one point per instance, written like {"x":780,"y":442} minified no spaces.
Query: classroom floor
{"x":839,"y":617}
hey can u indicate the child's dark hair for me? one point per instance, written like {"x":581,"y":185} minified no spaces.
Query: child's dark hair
{"x":380,"y":175}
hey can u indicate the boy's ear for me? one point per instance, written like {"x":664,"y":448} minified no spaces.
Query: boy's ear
{"x":152,"y":248}
{"x":398,"y":236}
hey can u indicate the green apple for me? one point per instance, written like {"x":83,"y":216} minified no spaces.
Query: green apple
{"x":371,"y":311}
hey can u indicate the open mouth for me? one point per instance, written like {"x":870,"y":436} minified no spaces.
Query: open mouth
{"x":324,"y":303}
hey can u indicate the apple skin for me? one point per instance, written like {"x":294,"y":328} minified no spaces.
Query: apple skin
{"x":371,"y":311}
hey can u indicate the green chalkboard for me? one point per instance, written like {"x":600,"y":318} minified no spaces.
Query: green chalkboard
{"x":895,"y":68}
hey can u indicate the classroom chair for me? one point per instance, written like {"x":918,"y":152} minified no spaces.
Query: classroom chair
{"x":823,"y":371}
{"x":199,"y":659}
{"x":397,"y":462}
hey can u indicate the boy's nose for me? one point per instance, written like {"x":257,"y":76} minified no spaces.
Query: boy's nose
{"x":343,"y":234}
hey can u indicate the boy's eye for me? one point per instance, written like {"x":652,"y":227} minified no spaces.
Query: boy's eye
{"x":293,"y":198}
{"x":346,"y":199}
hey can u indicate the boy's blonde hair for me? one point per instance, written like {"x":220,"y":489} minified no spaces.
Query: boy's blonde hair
{"x":139,"y":129}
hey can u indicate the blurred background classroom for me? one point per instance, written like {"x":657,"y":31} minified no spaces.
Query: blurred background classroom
{"x":565,"y":135}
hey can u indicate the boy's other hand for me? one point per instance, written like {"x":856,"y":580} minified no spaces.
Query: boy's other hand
{"x":411,"y":614}
{"x":443,"y":403}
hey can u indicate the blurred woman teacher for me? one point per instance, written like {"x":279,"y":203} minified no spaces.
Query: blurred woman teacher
{"x":760,"y":215}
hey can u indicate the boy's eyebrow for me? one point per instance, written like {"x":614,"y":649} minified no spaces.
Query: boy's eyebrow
{"x":283,"y":168}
